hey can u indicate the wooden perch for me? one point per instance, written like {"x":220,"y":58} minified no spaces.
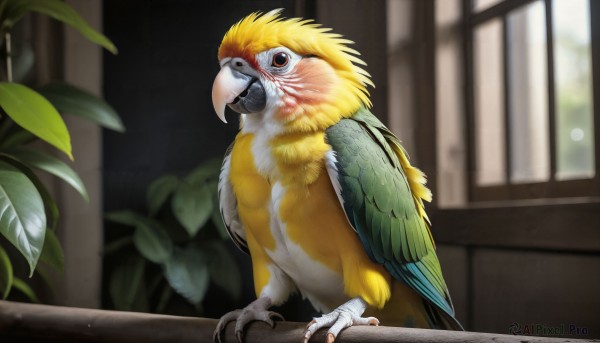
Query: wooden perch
{"x":43,"y":323}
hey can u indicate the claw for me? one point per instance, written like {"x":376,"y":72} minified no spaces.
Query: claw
{"x":346,"y":315}
{"x":228,"y":317}
{"x":275,"y":315}
{"x":255,"y":311}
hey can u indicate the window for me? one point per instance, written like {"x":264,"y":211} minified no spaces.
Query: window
{"x":514,"y":98}
{"x":529,"y":99}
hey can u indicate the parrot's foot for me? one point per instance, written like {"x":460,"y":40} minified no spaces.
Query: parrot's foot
{"x":342,"y":317}
{"x":256,"y":310}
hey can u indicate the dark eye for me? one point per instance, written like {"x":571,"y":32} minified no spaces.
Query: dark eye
{"x":280,"y":59}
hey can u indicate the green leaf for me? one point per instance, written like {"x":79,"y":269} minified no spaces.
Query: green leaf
{"x":62,"y":12}
{"x":35,"y":114}
{"x":24,"y":288}
{"x":187,"y":273}
{"x":127,"y":288}
{"x":223,"y":269}
{"x":192,"y":206}
{"x":50,"y":207}
{"x":52,"y":165}
{"x":75,"y":101}
{"x":43,"y":273}
{"x":52,"y":253}
{"x":22,"y":219}
{"x":6,"y":273}
{"x":11,"y":13}
{"x":152,"y":241}
{"x":117,"y":245}
{"x":17,"y":138}
{"x":3,"y":4}
{"x":207,"y":170}
{"x":125,"y":217}
{"x":149,"y":238}
{"x":159,"y":191}
{"x":23,"y":60}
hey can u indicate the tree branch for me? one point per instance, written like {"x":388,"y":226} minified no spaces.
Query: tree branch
{"x":44,"y":323}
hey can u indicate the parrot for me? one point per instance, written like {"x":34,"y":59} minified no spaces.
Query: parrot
{"x":316,"y":189}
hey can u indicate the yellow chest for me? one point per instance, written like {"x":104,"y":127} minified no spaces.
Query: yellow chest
{"x":294,"y":216}
{"x":293,"y":193}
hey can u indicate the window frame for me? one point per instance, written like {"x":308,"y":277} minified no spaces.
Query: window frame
{"x":552,"y":188}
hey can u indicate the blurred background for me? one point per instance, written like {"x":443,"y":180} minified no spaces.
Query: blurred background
{"x":498,"y":101}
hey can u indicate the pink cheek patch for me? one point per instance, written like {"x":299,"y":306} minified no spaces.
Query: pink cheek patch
{"x":308,"y":85}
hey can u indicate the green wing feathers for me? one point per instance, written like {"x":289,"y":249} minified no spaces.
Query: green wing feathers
{"x":390,"y":143}
{"x":383,"y":195}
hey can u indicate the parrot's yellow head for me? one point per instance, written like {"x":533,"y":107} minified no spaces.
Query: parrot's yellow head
{"x":291,"y":71}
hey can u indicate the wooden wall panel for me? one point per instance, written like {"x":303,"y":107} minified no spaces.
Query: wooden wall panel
{"x":570,"y":226}
{"x":535,"y":288}
{"x":454,"y":261}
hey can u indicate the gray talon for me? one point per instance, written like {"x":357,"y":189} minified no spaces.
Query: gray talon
{"x":255,"y":311}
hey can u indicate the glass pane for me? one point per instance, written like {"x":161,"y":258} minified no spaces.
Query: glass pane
{"x":489,"y":104}
{"x":400,"y":70}
{"x":572,"y":69}
{"x":529,"y":153}
{"x":450,"y":142}
{"x":447,"y":12}
{"x":480,"y":5}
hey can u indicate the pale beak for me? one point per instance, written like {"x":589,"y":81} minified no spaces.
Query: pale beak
{"x":225,"y":89}
{"x":242,"y":92}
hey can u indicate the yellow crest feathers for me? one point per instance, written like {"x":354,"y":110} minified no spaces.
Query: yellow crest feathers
{"x":258,"y":32}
